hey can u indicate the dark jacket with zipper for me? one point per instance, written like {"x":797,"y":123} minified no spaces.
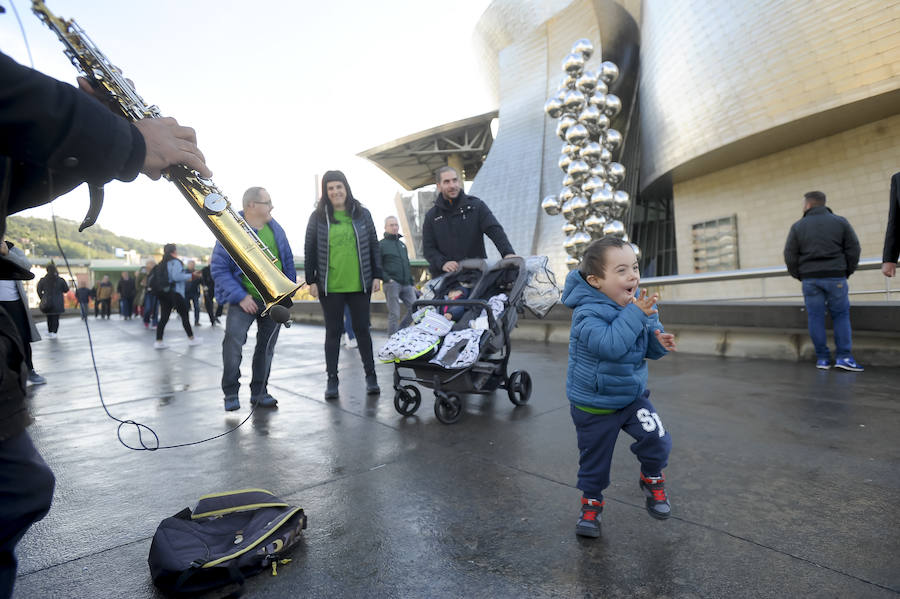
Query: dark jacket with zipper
{"x":53,"y":137}
{"x":821,"y":245}
{"x":395,"y":260}
{"x":454,"y":231}
{"x":315,"y":259}
{"x":54,"y":288}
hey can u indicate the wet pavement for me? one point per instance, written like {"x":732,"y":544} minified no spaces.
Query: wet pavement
{"x":784,"y":479}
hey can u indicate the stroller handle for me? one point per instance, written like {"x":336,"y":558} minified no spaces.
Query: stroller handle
{"x":492,"y":322}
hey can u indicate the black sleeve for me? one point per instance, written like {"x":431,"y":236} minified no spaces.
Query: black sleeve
{"x":792,"y":254}
{"x":374,"y":249}
{"x":851,"y":248}
{"x":311,"y":252}
{"x":492,"y":228}
{"x":434,"y":257}
{"x":50,"y":126}
{"x":892,"y":233}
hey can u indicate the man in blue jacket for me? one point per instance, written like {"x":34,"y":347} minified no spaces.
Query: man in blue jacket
{"x":822,"y":251}
{"x":246,"y":304}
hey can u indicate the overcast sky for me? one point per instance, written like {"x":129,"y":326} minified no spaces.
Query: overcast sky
{"x":277,"y":91}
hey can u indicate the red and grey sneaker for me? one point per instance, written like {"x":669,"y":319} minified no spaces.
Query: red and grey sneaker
{"x":654,"y":487}
{"x":589,"y":523}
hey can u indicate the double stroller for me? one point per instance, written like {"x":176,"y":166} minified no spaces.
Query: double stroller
{"x":473,"y":356}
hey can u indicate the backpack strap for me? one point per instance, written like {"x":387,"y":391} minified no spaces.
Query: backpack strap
{"x":218,"y":504}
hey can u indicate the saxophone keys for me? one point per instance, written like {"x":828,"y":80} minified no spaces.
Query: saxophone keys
{"x":215,"y":203}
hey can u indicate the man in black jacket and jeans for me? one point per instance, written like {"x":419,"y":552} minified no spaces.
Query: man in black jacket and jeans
{"x":455,"y":227}
{"x":53,"y":137}
{"x":822,"y":250}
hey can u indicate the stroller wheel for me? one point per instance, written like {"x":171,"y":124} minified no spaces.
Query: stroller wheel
{"x":407,"y":400}
{"x":447,"y":407}
{"x":518,"y":387}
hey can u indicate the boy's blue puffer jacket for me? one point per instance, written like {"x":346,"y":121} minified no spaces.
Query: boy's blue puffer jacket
{"x":608,"y":345}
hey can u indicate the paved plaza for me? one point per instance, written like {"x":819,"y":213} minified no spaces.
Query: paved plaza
{"x":784,"y":479}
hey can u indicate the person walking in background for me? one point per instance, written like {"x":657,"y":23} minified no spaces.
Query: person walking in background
{"x":151,"y":302}
{"x":14,"y":300}
{"x":172,"y":295}
{"x":399,"y":292}
{"x":50,"y":289}
{"x":343,"y":268}
{"x":103,"y":298}
{"x":209,"y":294}
{"x":192,"y":292}
{"x":246,"y":304}
{"x":126,"y":290}
{"x":83,"y":295}
{"x":892,"y":232}
{"x":822,"y":251}
{"x":455,"y":227}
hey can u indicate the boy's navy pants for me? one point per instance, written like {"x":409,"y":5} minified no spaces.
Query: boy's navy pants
{"x":597,"y":435}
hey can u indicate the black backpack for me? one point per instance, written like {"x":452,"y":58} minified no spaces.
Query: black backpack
{"x":228,"y":537}
{"x":158,"y":279}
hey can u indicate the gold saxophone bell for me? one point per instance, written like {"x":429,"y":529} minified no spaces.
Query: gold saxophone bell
{"x":236,"y":236}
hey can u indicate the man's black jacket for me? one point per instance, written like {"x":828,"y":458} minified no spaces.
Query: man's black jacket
{"x":455,"y":231}
{"x":892,"y":233}
{"x":395,"y":260}
{"x":53,"y":137}
{"x":821,"y":245}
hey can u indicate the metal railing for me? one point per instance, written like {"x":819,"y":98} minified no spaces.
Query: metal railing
{"x":762,"y":274}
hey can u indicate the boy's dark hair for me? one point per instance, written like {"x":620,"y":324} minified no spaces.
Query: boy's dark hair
{"x":594,"y":259}
{"x":816,"y":198}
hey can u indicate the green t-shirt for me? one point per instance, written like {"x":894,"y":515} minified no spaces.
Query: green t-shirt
{"x":267,"y":236}
{"x":343,"y":259}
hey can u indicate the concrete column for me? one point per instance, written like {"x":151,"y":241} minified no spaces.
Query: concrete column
{"x":455,"y":162}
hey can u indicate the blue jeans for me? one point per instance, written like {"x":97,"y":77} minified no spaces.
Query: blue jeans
{"x":150,"y":305}
{"x":237,"y":323}
{"x":394,"y":294}
{"x":831,"y":293}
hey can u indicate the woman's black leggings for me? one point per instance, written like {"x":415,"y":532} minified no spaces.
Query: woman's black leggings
{"x":53,"y":322}
{"x":333,"y":309}
{"x":167,"y":301}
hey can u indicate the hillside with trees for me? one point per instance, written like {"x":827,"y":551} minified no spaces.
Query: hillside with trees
{"x":36,"y":235}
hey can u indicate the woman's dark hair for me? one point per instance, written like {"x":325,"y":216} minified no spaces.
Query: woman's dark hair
{"x":167,"y":252}
{"x":324,"y":203}
{"x":594,"y":260}
{"x":51,"y":270}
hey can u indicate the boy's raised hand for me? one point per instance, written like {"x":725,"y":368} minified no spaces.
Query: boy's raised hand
{"x":646,"y":302}
{"x":667,"y":340}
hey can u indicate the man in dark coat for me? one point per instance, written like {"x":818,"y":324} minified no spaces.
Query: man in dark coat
{"x":822,"y":250}
{"x":455,"y":227}
{"x":398,"y":282}
{"x":126,"y":290}
{"x":892,"y":233}
{"x":53,"y":137}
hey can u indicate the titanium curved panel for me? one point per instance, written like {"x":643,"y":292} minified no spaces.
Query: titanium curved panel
{"x":719,"y":74}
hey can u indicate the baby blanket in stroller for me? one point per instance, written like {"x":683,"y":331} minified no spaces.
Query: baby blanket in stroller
{"x":417,"y":340}
{"x":460,"y":349}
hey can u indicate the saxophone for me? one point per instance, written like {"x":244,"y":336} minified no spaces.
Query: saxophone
{"x":236,"y":236}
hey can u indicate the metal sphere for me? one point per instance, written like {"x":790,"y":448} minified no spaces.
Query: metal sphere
{"x":592,"y":185}
{"x":572,"y":262}
{"x":573,"y":64}
{"x":577,"y":134}
{"x":637,"y":250}
{"x":572,"y":151}
{"x":598,"y":100}
{"x":614,"y":228}
{"x":553,"y":107}
{"x":567,"y":194}
{"x":601,"y":88}
{"x":612,"y":139}
{"x":598,"y":170}
{"x":567,"y":211}
{"x":563,"y":125}
{"x":574,"y":101}
{"x":569,"y":245}
{"x":587,"y":83}
{"x":595,"y":223}
{"x":621,"y":203}
{"x":602,"y":201}
{"x":578,"y":170}
{"x":583,"y":47}
{"x":581,"y":239}
{"x":605,"y":156}
{"x":568,"y":181}
{"x":615,"y":172}
{"x":613,"y":105}
{"x":589,"y":116}
{"x":551,"y":205}
{"x":625,"y":239}
{"x":590,"y":153}
{"x":564,"y":161}
{"x":580,"y":207}
{"x":567,"y":83}
{"x":569,"y":228}
{"x":609,"y":72}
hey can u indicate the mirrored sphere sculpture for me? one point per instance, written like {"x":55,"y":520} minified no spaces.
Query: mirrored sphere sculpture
{"x":602,"y":201}
{"x":621,"y":201}
{"x":578,"y":170}
{"x":551,"y":205}
{"x":577,"y":134}
{"x":605,"y":156}
{"x":568,"y":181}
{"x":580,"y":241}
{"x":613,"y":105}
{"x":574,"y":101}
{"x":569,"y":228}
{"x":609,"y":72}
{"x":567,"y":210}
{"x":580,"y":207}
{"x":594,"y":224}
{"x":573,"y":64}
{"x":572,"y":262}
{"x":583,"y":47}
{"x":615,"y":228}
{"x":612,"y":139}
{"x":567,"y":194}
{"x":637,"y":250}
{"x":553,"y":108}
{"x":587,"y":83}
{"x":591,"y":185}
{"x":598,"y":99}
{"x":589,"y":115}
{"x":615,"y":172}
{"x":564,"y":161}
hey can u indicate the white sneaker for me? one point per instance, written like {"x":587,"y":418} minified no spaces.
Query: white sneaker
{"x":195,"y":341}
{"x":51,"y":335}
{"x":351,"y":343}
{"x":160,"y":345}
{"x":344,"y":339}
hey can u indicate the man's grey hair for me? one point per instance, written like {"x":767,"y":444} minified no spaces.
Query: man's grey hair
{"x":441,"y":171}
{"x":390,"y":218}
{"x":251,"y":195}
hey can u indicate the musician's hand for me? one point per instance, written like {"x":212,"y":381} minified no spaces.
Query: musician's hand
{"x":169,"y":143}
{"x":248,"y":304}
{"x":314,"y":290}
